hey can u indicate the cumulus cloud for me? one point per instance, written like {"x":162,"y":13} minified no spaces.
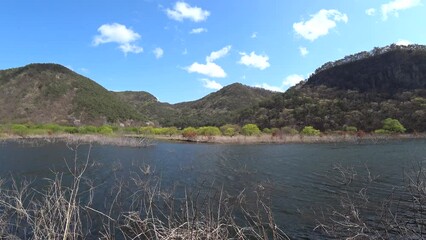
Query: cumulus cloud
{"x":120,"y":34}
{"x":292,"y":80}
{"x":395,"y":6}
{"x":218,"y":54}
{"x":182,"y":11}
{"x":370,"y":11}
{"x":210,"y":69}
{"x":303,"y":51}
{"x":158,"y":52}
{"x":254,"y":60}
{"x":253,"y":35}
{"x":198,"y":30}
{"x":319,"y":24}
{"x":403,"y":42}
{"x":211,"y":84}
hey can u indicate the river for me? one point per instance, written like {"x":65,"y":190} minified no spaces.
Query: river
{"x":302,"y":180}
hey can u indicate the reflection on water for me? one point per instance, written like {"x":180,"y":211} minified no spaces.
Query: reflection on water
{"x":299,"y":177}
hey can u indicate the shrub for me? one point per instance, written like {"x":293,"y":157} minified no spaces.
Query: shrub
{"x":52,"y":128}
{"x":20,"y":129}
{"x":71,"y":130}
{"x":87,"y":129}
{"x":209,"y":131}
{"x":310,"y":131}
{"x":230,"y":130}
{"x":105,"y":130}
{"x":189,"y":132}
{"x":250,"y":130}
{"x":351,"y":129}
{"x":171,"y":131}
{"x":393,"y":125}
{"x":289,"y":131}
{"x":146,"y":130}
{"x":382,"y":131}
{"x":267,"y":130}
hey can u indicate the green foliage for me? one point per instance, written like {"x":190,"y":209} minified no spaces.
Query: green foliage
{"x":20,"y":129}
{"x":147,"y":130}
{"x":267,"y":131}
{"x":230,"y":130}
{"x":393,"y":125}
{"x":289,"y":131}
{"x":351,"y":129}
{"x":189,"y":132}
{"x":382,"y":131}
{"x":310,"y":131}
{"x":250,"y":130}
{"x":87,"y":129}
{"x":105,"y":130}
{"x":71,"y":130}
{"x":209,"y":131}
{"x":53,"y":128}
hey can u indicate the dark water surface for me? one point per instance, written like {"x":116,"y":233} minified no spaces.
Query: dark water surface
{"x":299,"y":177}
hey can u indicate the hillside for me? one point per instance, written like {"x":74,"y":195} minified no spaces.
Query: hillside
{"x":215,"y":109}
{"x":360,"y":90}
{"x":51,"y":93}
{"x":148,"y":105}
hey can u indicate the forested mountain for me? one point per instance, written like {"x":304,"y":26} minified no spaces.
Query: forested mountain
{"x":360,"y":90}
{"x":51,"y":93}
{"x":215,"y":109}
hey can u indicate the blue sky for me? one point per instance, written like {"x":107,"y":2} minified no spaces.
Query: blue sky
{"x":183,"y":50}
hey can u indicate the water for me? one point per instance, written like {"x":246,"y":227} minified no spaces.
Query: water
{"x":299,"y":177}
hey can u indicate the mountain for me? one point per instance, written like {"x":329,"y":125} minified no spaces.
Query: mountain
{"x":47,"y":93}
{"x":215,"y":109}
{"x":148,"y":105}
{"x":360,"y":90}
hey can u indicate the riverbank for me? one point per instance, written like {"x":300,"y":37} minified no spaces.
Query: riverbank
{"x":285,"y":139}
{"x":147,"y":140}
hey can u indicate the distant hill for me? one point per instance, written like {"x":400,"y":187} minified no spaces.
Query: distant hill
{"x":51,"y":93}
{"x":215,"y":109}
{"x":360,"y":90}
{"x":148,"y":105}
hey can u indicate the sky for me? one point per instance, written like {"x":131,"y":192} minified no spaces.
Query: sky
{"x":183,"y":50}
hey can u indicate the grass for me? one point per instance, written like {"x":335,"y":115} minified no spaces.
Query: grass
{"x":134,"y":208}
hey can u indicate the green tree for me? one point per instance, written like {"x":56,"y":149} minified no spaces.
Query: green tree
{"x":189,"y":132}
{"x":230,"y":130}
{"x":250,"y":129}
{"x":310,"y":131}
{"x":393,"y":126}
{"x":209,"y":131}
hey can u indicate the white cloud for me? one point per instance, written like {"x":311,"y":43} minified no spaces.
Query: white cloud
{"x":403,"y":42}
{"x":198,"y":30}
{"x":185,"y":52}
{"x":289,"y":81}
{"x":254,"y":60}
{"x":120,"y":34}
{"x":303,"y":51}
{"x":218,"y":54}
{"x":319,"y":24}
{"x":269,"y":87}
{"x":158,"y":52}
{"x":254,"y":35}
{"x":370,"y":11}
{"x":394,"y":6}
{"x":210,"y":69}
{"x":182,"y":11}
{"x":84,"y":70}
{"x":211,"y":84}
{"x":292,"y":80}
{"x":127,"y":47}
